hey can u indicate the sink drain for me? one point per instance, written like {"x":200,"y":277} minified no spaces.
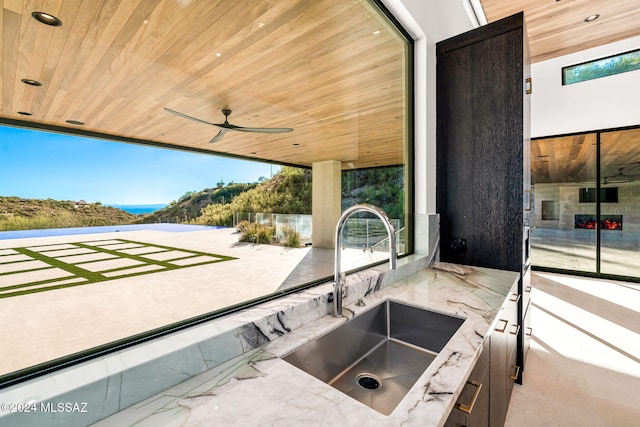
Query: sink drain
{"x":368,"y":381}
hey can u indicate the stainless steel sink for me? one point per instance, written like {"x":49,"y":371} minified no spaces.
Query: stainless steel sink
{"x":378,"y":356}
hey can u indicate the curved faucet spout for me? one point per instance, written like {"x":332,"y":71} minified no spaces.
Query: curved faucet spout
{"x":338,"y":286}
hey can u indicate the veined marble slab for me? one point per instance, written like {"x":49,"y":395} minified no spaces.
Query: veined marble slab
{"x":259,"y":388}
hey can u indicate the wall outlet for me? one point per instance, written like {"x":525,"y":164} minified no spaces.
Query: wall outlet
{"x":459,"y":245}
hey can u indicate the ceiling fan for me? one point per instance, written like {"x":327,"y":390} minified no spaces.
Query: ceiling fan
{"x":620,"y":177}
{"x":226,"y":126}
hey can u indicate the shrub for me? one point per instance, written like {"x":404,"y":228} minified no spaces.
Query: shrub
{"x":243,"y":226}
{"x":215,"y":214}
{"x":256,"y":233}
{"x":291,"y":237}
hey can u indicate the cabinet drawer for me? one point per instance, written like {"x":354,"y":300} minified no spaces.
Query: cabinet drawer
{"x":472,"y":406}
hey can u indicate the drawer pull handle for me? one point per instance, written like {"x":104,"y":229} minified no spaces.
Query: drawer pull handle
{"x":517,"y":330}
{"x":530,"y":331}
{"x":515,"y":377}
{"x":528,"y":86}
{"x":517,"y":298}
{"x":506,"y":322}
{"x":468,"y":408}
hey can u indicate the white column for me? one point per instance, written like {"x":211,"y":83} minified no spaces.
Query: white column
{"x":326,"y":202}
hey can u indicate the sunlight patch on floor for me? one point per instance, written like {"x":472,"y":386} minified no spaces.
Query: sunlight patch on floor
{"x":623,"y":295}
{"x":587,"y":337}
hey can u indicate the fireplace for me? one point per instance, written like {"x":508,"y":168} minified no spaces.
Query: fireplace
{"x":607,"y":222}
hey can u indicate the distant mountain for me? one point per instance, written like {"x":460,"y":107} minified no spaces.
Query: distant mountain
{"x":33,"y":214}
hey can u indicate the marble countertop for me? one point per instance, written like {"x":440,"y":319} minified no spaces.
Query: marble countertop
{"x":260,"y":389}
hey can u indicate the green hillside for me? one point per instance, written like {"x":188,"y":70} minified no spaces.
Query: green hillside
{"x":190,"y":205}
{"x":32,"y":214}
{"x":289,"y":191}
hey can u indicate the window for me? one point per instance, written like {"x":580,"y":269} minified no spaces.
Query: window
{"x":342,"y":84}
{"x":607,"y":195}
{"x":594,"y":178}
{"x":602,"y":67}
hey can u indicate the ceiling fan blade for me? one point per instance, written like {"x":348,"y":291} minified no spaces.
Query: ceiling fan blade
{"x":177,"y":113}
{"x":261,"y":130}
{"x":226,"y":126}
{"x":219,"y":136}
{"x":616,"y":181}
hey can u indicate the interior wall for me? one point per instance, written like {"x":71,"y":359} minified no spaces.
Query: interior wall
{"x":566,"y":196}
{"x":603,"y":103}
{"x":428,"y":21}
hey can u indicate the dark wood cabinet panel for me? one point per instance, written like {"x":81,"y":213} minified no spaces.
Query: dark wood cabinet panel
{"x":483,"y":189}
{"x":481,"y":144}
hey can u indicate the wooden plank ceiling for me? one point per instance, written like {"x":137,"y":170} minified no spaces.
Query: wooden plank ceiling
{"x":572,"y":159}
{"x":333,"y":70}
{"x":557,"y":27}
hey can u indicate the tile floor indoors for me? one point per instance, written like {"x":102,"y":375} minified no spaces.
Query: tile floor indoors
{"x":583,"y":368}
{"x":576,"y":250}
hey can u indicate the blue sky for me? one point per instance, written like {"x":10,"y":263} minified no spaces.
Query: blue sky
{"x":43,"y":165}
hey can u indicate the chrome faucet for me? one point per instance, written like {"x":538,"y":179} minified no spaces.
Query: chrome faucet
{"x":339,"y":289}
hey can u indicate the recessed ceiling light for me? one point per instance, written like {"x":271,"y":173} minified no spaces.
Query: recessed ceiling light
{"x":218,"y":54}
{"x":75,"y":122}
{"x":47,"y":19}
{"x":24,"y":113}
{"x":260,"y":25}
{"x":31,"y":82}
{"x":591,"y":18}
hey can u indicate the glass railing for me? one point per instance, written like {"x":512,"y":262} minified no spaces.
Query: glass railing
{"x":359,"y":233}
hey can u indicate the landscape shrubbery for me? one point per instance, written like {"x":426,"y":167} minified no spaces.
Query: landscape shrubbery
{"x":210,"y":206}
{"x":289,"y":191}
{"x":256,"y":232}
{"x":291,"y":238}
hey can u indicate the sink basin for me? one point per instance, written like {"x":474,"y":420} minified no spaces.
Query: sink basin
{"x":378,"y":356}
